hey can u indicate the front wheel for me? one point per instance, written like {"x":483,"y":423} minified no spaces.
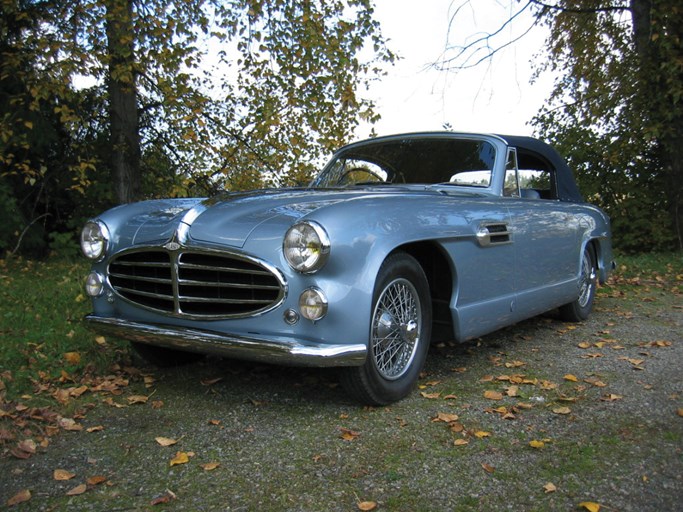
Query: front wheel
{"x":581,"y":308}
{"x":399,"y":336}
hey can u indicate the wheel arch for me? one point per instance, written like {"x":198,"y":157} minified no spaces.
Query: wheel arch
{"x":441,"y":279}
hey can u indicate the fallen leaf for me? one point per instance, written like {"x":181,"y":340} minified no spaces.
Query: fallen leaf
{"x":461,"y":442}
{"x":96,"y":480}
{"x":69,"y":424}
{"x":571,"y":378}
{"x":537,"y":444}
{"x":210,"y":466}
{"x":680,"y":412}
{"x":430,"y":396}
{"x":180,"y":458}
{"x":549,"y":487}
{"x":562,"y":410}
{"x":72,"y":358}
{"x":512,"y":391}
{"x":445,"y":417}
{"x":167,"y":497}
{"x":20,"y":497}
{"x":349,"y":435}
{"x":78,"y":490}
{"x":165,"y":441}
{"x":488,"y":468}
{"x":62,"y":474}
{"x":493,"y":395}
{"x":100,"y":340}
{"x":611,"y":398}
{"x":98,"y":428}
{"x":367,"y":505}
{"x":584,"y":345}
{"x":210,"y":382}
{"x":590,"y":506}
{"x":482,"y":434}
{"x":137,"y":399}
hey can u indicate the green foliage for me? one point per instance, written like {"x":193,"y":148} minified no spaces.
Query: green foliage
{"x":236,"y":94}
{"x":616,"y":111}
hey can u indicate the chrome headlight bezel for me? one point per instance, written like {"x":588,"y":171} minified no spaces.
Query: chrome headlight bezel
{"x":94,"y":240}
{"x":306,"y":247}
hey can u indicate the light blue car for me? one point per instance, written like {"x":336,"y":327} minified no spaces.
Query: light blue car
{"x":400,"y":241}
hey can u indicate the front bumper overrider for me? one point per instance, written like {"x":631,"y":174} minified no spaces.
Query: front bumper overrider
{"x":283,"y":351}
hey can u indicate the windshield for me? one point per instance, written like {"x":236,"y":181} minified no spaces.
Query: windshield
{"x":463,"y":162}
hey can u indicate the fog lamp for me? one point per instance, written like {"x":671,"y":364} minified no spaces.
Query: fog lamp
{"x":313,"y":304}
{"x":94,"y":284}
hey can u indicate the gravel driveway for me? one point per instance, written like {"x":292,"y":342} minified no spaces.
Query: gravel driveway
{"x":541,"y":416}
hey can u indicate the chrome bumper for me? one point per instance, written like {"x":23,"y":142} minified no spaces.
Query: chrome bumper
{"x":277,"y":351}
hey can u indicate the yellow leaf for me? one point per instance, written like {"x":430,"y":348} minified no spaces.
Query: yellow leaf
{"x":100,"y":340}
{"x":549,"y":487}
{"x":461,"y":442}
{"x":20,"y":497}
{"x":590,"y":506}
{"x":62,"y":474}
{"x":210,"y":466}
{"x":72,"y":357}
{"x":367,"y":505}
{"x":165,"y":441}
{"x":562,"y":410}
{"x":349,"y":435}
{"x":180,"y":458}
{"x":481,"y":434}
{"x":446,"y":417}
{"x":79,"y":489}
{"x":430,"y":396}
{"x":537,"y":444}
{"x":96,"y":480}
{"x":493,"y":395}
{"x":571,"y":378}
{"x":584,"y":345}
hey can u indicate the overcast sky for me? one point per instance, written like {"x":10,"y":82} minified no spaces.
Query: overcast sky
{"x":495,"y":96}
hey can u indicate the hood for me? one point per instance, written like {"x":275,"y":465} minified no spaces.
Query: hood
{"x":229,"y":219}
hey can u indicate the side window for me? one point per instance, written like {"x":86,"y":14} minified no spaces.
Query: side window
{"x":536,"y":177}
{"x":511,"y":184}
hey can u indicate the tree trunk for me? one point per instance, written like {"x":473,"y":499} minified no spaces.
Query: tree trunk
{"x":663,"y":111}
{"x":123,"y":110}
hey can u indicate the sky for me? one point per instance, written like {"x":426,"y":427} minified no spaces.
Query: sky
{"x":495,"y":96}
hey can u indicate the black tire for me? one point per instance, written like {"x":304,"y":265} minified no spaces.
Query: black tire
{"x":164,"y":357}
{"x":580,"y":309}
{"x":400,"y":331}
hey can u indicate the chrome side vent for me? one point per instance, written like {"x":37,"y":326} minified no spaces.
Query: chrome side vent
{"x":494,"y":234}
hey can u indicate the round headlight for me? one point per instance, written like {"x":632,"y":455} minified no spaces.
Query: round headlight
{"x":94,"y":238}
{"x":306,"y":247}
{"x":313,"y":304}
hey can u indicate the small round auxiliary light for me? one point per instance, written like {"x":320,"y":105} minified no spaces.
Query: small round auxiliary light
{"x":291,"y":317}
{"x":313,"y":304}
{"x":94,"y":284}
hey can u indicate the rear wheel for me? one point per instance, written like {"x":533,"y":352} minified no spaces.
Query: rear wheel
{"x":581,"y":308}
{"x":399,"y":336}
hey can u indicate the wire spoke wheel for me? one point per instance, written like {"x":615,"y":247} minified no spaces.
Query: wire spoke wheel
{"x":395,"y":329}
{"x":398,"y":336}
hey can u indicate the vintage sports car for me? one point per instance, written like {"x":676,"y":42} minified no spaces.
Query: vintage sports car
{"x":399,"y":241}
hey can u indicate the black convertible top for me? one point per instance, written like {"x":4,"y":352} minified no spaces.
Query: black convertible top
{"x":529,"y":147}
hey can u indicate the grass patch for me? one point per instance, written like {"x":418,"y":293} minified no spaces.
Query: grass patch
{"x":40,"y":323}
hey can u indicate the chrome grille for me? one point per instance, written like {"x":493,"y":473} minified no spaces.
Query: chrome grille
{"x":196,"y":284}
